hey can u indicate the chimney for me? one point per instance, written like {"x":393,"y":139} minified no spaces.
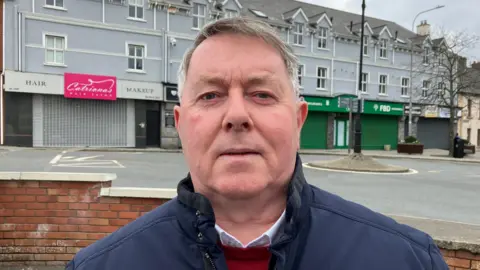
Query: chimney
{"x":476,"y":65}
{"x":423,"y":29}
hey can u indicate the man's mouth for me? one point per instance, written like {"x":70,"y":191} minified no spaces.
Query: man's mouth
{"x":240,"y":152}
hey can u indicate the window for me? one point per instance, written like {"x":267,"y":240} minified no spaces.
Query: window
{"x":321,"y":78}
{"x":135,"y":9}
{"x":231,"y":13}
{"x":469,"y":108}
{"x":322,"y":37}
{"x":469,"y":134}
{"x":364,"y":83}
{"x":425,"y":88}
{"x":405,"y":86}
{"x":198,"y":15}
{"x":382,"y":85}
{"x":55,"y":50}
{"x":54,"y":3}
{"x":383,"y":48}
{"x":301,"y":72}
{"x":298,"y":34}
{"x":136,"y":55}
{"x":426,"y":56}
{"x":365,"y":45}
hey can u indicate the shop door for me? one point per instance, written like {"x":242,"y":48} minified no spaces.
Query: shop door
{"x":314,"y":131}
{"x":478,"y":137}
{"x":153,"y":128}
{"x":378,"y":131}
{"x":433,"y":133}
{"x":341,"y":135}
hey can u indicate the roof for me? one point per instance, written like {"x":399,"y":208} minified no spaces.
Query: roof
{"x":279,"y":10}
{"x":472,"y":79}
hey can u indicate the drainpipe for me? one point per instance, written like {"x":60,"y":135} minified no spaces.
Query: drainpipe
{"x":33,"y":6}
{"x":2,"y":126}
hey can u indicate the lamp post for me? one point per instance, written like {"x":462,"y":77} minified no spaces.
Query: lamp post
{"x":358,"y":125}
{"x":410,"y":103}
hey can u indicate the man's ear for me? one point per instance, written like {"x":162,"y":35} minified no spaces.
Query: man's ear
{"x":302,"y":112}
{"x":176,"y":114}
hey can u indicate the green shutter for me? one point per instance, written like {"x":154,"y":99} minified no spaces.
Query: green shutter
{"x":379,"y":130}
{"x":314,"y":131}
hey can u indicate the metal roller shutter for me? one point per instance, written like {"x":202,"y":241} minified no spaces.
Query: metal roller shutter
{"x":85,"y":123}
{"x":314,"y":131}
{"x":378,"y":131}
{"x":433,"y":133}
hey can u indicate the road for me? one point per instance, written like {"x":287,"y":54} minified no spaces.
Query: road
{"x":438,"y":190}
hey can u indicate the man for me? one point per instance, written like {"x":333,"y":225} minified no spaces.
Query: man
{"x":245,"y":203}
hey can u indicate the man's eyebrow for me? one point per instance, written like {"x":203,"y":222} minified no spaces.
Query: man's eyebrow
{"x":209,"y":79}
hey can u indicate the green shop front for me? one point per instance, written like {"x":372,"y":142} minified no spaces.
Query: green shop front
{"x":328,"y":126}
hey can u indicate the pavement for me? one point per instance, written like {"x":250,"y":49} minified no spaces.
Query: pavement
{"x":358,"y":163}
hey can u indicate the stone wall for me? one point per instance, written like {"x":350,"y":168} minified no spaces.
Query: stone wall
{"x":45,"y":218}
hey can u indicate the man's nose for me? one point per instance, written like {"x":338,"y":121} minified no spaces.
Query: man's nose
{"x":237,"y":117}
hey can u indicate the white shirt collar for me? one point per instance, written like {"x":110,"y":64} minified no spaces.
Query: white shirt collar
{"x":263,"y":240}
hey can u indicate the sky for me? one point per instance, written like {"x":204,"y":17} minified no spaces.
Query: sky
{"x":459,"y":16}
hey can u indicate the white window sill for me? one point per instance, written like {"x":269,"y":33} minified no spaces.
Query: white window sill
{"x":55,"y":65}
{"x":383,"y":95}
{"x":363,"y":93}
{"x":323,"y":49}
{"x":136,"y":19}
{"x":136,"y":71}
{"x":403,"y":96}
{"x":322,"y":89}
{"x":55,"y":8}
{"x":195,"y":29}
{"x":299,"y":45}
{"x":366,"y":55}
{"x":383,"y":58}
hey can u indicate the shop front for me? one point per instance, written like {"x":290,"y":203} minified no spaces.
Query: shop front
{"x":380,"y":122}
{"x":79,"y":110}
{"x":433,"y":127}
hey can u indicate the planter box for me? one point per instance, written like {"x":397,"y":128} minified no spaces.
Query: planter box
{"x":469,"y":149}
{"x":410,"y":148}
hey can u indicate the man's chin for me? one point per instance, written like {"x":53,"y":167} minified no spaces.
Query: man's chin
{"x":238,"y":186}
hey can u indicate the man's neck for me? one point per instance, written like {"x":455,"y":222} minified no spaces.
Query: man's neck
{"x":246,"y":220}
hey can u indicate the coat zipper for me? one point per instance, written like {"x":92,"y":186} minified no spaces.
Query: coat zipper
{"x":209,"y":265}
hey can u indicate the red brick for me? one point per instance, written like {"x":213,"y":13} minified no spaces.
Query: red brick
{"x":6,"y":242}
{"x":55,"y":250}
{"x":16,"y":191}
{"x":101,"y":207}
{"x":47,"y":199}
{"x":142,"y":208}
{"x":57,"y":206}
{"x":7,"y":198}
{"x":58,"y":191}
{"x":67,"y":243}
{"x":95,"y":236}
{"x":35,"y":191}
{"x":58,"y":220}
{"x":26,"y":250}
{"x":37,"y":235}
{"x":45,"y":242}
{"x":36,"y":206}
{"x":458,"y":262}
{"x":29,"y":184}
{"x":6,"y":212}
{"x":107,"y":214}
{"x":45,"y":213}
{"x":128,"y":215}
{"x":47,"y":227}
{"x":109,"y":200}
{"x":476,"y":264}
{"x":84,"y":243}
{"x":50,"y":184}
{"x":73,"y":250}
{"x":64,"y":257}
{"x":78,"y":221}
{"x":86,"y":214}
{"x":7,"y":227}
{"x":68,"y":228}
{"x":17,"y":257}
{"x":15,"y":205}
{"x":10,"y":235}
{"x":24,"y":242}
{"x":76,"y":235}
{"x":120,"y":207}
{"x":67,"y":199}
{"x":463,"y":254}
{"x":77,"y":185}
{"x":56,"y":263}
{"x":154,"y":202}
{"x":91,"y":228}
{"x":26,"y":227}
{"x":119,"y":222}
{"x":8,"y":184}
{"x":78,"y":206}
{"x":66,"y":213}
{"x":44,"y":257}
{"x":24,"y":213}
{"x":24,"y":198}
{"x":131,"y":200}
{"x":98,"y":221}
{"x":26,"y":220}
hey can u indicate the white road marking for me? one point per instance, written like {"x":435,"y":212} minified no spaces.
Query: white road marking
{"x":57,"y":158}
{"x":411,"y":171}
{"x":431,"y":219}
{"x":434,"y":171}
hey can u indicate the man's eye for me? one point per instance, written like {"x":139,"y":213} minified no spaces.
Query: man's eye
{"x":209,"y":96}
{"x":262,"y":95}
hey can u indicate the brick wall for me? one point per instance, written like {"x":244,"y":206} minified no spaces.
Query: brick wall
{"x":47,"y":222}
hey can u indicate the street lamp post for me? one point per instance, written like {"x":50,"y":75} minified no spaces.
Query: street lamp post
{"x":410,"y":103}
{"x":358,"y":125}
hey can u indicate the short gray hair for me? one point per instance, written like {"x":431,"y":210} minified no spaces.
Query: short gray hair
{"x":249,"y":27}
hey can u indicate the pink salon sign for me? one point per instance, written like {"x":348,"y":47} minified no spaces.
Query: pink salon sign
{"x":86,"y":86}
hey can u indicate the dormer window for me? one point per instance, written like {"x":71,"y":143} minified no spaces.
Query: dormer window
{"x":322,"y":37}
{"x":229,"y":13}
{"x":383,"y":48}
{"x":426,"y":55}
{"x":298,"y":34}
{"x":365,"y":45}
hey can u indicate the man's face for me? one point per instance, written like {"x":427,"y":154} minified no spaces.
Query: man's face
{"x":239,"y":120}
